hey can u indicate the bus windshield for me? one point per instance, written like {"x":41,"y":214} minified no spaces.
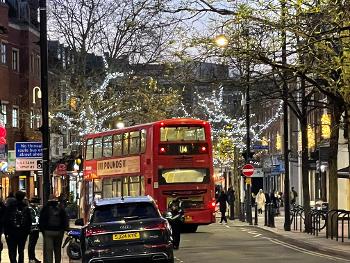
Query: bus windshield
{"x":182,"y":133}
{"x":173,"y":176}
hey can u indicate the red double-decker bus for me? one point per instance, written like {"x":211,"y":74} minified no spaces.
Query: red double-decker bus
{"x":165,"y":159}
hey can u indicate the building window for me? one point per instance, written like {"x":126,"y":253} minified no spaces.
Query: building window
{"x":4,"y":114}
{"x":3,"y":53}
{"x":31,"y":65}
{"x":32,"y":117}
{"x":37,"y":65}
{"x":15,"y":123}
{"x":15,"y":58}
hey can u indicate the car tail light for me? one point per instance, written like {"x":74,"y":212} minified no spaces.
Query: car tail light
{"x":157,"y":226}
{"x":93,"y":231}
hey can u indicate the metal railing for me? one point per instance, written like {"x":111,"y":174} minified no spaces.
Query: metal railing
{"x":297,"y":217}
{"x":337,"y":217}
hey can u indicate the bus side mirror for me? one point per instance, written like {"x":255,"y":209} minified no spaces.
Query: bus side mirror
{"x":79,"y":222}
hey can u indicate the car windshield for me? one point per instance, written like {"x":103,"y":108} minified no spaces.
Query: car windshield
{"x":124,"y":211}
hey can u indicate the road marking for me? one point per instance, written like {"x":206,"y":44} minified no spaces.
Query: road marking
{"x":243,"y":229}
{"x":252,"y":232}
{"x":227,"y":226}
{"x":258,"y":235}
{"x":305,"y":251}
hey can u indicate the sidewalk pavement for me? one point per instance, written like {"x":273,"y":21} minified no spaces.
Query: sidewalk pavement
{"x":319,"y":243}
{"x":38,"y":250}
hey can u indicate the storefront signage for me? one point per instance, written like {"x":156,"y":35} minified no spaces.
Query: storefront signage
{"x":29,"y":164}
{"x":119,"y":166}
{"x":29,"y":150}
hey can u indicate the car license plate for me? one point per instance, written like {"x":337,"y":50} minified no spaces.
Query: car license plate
{"x":126,"y":236}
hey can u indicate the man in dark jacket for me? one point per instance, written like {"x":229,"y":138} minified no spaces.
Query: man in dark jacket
{"x":53,"y":221}
{"x":222,"y":200}
{"x":17,"y":225}
{"x":176,"y":220}
{"x":34,"y":232}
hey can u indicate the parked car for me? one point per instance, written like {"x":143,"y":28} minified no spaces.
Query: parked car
{"x":126,"y":228}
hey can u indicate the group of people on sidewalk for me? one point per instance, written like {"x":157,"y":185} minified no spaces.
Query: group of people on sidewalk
{"x":260,"y":199}
{"x":21,"y":218}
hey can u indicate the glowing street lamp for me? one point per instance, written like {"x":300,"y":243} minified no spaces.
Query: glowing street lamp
{"x":120,"y":124}
{"x":221,"y":40}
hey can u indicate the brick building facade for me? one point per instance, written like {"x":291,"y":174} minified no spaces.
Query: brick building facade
{"x":19,"y":82}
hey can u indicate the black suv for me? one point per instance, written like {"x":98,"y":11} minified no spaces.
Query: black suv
{"x":126,"y":229}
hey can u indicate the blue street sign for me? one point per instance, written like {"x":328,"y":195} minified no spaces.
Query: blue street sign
{"x":29,"y":150}
{"x":260,"y":147}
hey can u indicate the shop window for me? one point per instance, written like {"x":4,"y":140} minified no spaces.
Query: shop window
{"x":22,"y":183}
{"x":134,"y":142}
{"x":117,"y":145}
{"x":89,"y":149}
{"x":107,"y":146}
{"x":98,"y":148}
{"x":126,"y":143}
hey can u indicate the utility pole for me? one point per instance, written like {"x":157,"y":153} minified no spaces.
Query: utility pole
{"x":45,"y":130}
{"x":247,"y":116}
{"x":285,"y":122}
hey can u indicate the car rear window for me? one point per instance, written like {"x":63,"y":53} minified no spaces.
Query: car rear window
{"x":125,"y":211}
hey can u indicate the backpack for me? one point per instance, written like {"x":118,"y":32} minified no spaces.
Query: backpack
{"x":19,"y":218}
{"x":54,"y":219}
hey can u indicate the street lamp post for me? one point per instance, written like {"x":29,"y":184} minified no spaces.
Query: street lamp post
{"x":44,"y":102}
{"x":222,"y":42}
{"x":247,"y":119}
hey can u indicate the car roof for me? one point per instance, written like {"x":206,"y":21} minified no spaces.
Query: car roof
{"x":124,"y":199}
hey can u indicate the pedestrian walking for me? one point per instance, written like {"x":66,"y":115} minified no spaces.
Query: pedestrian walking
{"x":17,"y":224}
{"x":53,"y":221}
{"x":222,"y":200}
{"x":231,"y":201}
{"x":176,"y":220}
{"x":34,"y":232}
{"x":2,"y":215}
{"x":293,"y":196}
{"x":260,"y":201}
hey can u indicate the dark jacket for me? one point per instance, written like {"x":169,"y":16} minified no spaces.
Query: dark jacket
{"x":222,"y":200}
{"x":45,"y":215}
{"x":10,"y":213}
{"x":230,"y":196}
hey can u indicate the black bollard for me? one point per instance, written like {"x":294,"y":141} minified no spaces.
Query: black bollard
{"x":269,"y":215}
{"x":256,"y":215}
{"x":265,"y":212}
{"x":232,"y":211}
{"x":272,"y":216}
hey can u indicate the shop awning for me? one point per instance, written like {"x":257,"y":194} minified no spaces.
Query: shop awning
{"x":344,"y":172}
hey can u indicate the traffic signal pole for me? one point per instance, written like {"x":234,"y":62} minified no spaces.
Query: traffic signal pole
{"x":248,"y":182}
{"x":44,"y":102}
